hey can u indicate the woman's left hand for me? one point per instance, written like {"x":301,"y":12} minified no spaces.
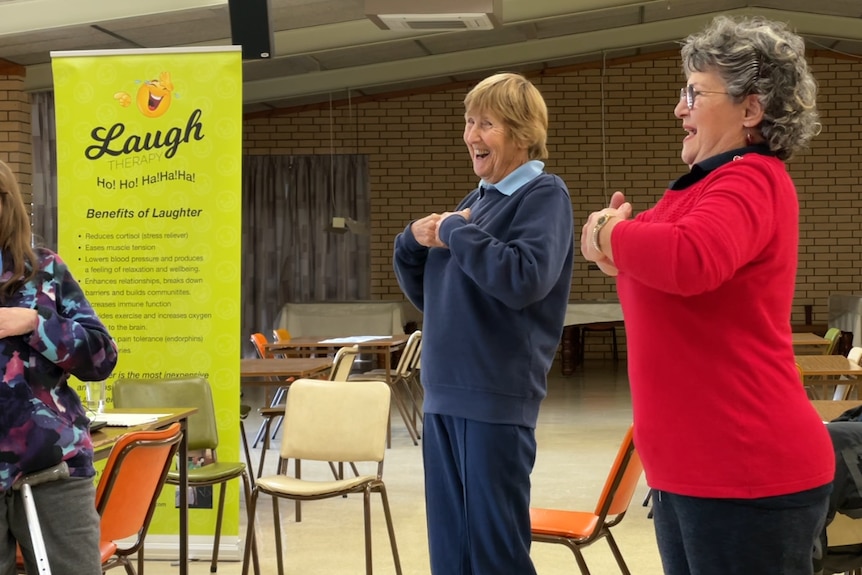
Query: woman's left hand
{"x":618,"y":208}
{"x":465,"y":213}
{"x":17,"y":321}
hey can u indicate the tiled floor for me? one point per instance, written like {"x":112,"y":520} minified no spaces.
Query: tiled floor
{"x":580,"y":427}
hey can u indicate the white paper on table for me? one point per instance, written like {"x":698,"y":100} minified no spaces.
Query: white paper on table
{"x":127,"y":419}
{"x":354,"y":339}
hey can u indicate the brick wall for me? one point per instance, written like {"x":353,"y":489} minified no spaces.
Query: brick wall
{"x":418,"y":162}
{"x":15,"y":136}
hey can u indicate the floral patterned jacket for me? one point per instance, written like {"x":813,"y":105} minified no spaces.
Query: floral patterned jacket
{"x":42,"y":420}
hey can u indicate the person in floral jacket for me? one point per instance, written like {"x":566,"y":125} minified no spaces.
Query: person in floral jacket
{"x":48,"y":331}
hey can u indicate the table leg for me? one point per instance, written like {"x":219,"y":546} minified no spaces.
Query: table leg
{"x":184,"y":499}
{"x":570,"y":349}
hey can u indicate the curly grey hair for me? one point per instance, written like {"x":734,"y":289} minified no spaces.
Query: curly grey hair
{"x":754,"y":55}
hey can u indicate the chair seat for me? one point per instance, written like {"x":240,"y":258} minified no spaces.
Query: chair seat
{"x":286,"y":485}
{"x":212,"y":472}
{"x":107,"y":550}
{"x":376,"y":371}
{"x":563,"y":523}
{"x":244,"y":410}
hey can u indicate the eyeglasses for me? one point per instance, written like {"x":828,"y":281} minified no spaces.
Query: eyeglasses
{"x":689,"y":94}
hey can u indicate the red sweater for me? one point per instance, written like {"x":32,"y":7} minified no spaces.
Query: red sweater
{"x":706,"y":281}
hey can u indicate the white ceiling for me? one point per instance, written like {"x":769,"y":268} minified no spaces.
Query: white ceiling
{"x":328,"y":48}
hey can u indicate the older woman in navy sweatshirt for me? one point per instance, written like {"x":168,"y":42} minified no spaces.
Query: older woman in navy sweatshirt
{"x":492,"y":279}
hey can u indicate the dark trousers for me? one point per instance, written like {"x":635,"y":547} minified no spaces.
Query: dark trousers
{"x":477,"y":496}
{"x":773,"y":535}
{"x":70,"y":528}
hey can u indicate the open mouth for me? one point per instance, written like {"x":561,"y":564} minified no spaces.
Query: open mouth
{"x":154,"y":102}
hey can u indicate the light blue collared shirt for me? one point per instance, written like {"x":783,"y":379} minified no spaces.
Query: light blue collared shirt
{"x":519,"y":176}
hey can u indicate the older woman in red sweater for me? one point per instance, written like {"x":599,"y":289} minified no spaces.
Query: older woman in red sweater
{"x":740,"y":464}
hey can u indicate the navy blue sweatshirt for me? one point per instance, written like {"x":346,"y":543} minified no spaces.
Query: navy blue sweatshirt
{"x":494,"y":301}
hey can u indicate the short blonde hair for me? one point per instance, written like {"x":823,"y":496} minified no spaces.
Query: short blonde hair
{"x":521,"y":106}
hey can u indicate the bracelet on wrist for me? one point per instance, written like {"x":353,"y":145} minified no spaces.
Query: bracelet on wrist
{"x":600,"y":223}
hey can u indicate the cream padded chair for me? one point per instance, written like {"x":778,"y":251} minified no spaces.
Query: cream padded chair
{"x":842,"y":390}
{"x":342,"y":363}
{"x":404,"y":393}
{"x":330,"y":421}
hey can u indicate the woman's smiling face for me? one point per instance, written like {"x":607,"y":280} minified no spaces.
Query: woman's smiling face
{"x":715,"y":121}
{"x":494,"y":152}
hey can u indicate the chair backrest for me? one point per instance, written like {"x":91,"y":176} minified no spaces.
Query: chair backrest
{"x":280,"y":335}
{"x":842,"y":390}
{"x":409,"y":355}
{"x":417,"y":358}
{"x":192,"y":392}
{"x":336,"y":420}
{"x":833,"y":335}
{"x":622,"y":480}
{"x":259,"y":342}
{"x":132,"y":480}
{"x":342,"y":363}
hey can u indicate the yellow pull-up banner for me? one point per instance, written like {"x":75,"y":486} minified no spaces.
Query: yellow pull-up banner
{"x":149,"y":189}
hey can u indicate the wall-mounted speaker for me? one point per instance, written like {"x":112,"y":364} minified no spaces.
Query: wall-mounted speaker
{"x":250,"y":28}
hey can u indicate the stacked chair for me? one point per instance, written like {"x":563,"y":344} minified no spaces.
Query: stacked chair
{"x":405,"y":385}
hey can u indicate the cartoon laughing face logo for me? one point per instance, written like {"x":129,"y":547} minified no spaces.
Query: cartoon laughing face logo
{"x":154,"y":96}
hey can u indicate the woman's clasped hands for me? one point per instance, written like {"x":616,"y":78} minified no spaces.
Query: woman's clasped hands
{"x":618,"y":209}
{"x":427,"y":230}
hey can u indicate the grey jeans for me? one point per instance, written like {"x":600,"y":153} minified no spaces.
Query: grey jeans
{"x":70,"y":528}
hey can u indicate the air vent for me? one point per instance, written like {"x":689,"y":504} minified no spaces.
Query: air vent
{"x":436,"y":21}
{"x":435,"y":14}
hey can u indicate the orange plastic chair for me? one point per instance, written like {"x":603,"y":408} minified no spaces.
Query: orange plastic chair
{"x":260,"y":343}
{"x":280,"y":335}
{"x":127,"y":494}
{"x":577,"y":529}
{"x":129,"y":489}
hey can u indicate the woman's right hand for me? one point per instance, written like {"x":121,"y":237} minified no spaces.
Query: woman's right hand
{"x":425,"y":231}
{"x":623,"y":211}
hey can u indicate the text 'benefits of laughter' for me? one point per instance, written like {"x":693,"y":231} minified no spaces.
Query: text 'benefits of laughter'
{"x":124,"y":213}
